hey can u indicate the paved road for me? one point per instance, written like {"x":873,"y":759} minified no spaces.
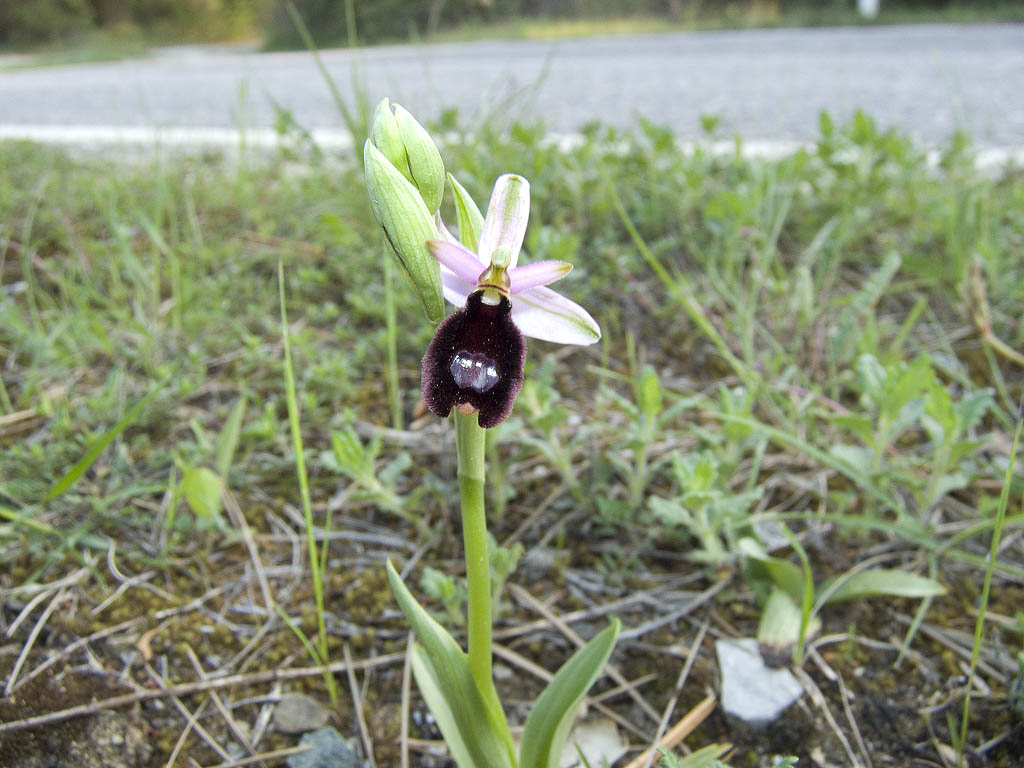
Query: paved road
{"x":766,"y":84}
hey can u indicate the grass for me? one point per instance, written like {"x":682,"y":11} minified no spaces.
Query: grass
{"x":795,"y":341}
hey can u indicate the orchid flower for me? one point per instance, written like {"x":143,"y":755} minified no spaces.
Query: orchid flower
{"x":475,"y":361}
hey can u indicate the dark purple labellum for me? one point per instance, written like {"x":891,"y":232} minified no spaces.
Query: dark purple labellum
{"x":475,"y":359}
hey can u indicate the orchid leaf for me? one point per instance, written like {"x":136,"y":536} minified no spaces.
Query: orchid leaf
{"x":782,"y":573}
{"x":548,"y":724}
{"x":468,"y":216}
{"x":443,"y":707}
{"x":476,"y":734}
{"x":779,"y":628}
{"x":877,"y":582}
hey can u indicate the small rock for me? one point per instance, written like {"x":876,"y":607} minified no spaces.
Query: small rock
{"x":299,"y":713}
{"x":598,"y":740}
{"x":327,"y":750}
{"x":752,"y":691}
{"x":503,"y":673}
{"x":539,"y":563}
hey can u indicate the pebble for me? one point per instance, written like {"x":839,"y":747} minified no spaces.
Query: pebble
{"x":299,"y":713}
{"x":327,"y":750}
{"x":752,"y":691}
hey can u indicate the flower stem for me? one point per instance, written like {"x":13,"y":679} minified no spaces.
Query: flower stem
{"x":469,"y":438}
{"x":390,"y":316}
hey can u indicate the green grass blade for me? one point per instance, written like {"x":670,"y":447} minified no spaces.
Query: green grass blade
{"x":358,"y":125}
{"x":227,"y":441}
{"x":786,"y":440}
{"x":979,"y":624}
{"x":303,"y":477}
{"x":99,"y":445}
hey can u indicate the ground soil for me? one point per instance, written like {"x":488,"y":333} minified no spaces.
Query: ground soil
{"x":862,"y":703}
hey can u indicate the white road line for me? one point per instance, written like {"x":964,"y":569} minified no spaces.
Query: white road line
{"x":105,"y":137}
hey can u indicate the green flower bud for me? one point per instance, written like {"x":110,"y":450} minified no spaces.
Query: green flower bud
{"x":425,"y":163}
{"x":386,"y":136}
{"x":408,"y":225}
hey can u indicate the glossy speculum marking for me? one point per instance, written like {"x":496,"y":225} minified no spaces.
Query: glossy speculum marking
{"x":474,"y":371}
{"x":475,"y":361}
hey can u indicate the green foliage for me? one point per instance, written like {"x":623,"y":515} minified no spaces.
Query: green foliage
{"x":51,"y":21}
{"x":471,"y":721}
{"x":705,"y":508}
{"x":705,"y":757}
{"x":373,"y":481}
{"x":42,"y":21}
{"x":646,"y":418}
{"x":452,"y":594}
{"x":905,"y":396}
{"x":503,"y":562}
{"x":203,"y":489}
{"x":202,"y":486}
{"x":542,"y":424}
{"x":547,"y":726}
{"x":446,"y":682}
{"x":443,"y":587}
{"x":118,"y":276}
{"x":337,"y":22}
{"x":790,"y":613}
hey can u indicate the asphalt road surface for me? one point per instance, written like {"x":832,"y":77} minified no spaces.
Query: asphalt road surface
{"x":765,"y":84}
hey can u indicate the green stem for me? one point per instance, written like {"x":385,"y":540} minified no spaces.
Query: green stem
{"x":390,"y":317}
{"x":469,"y":438}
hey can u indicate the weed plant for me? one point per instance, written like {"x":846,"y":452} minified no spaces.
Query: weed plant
{"x":830,"y":341}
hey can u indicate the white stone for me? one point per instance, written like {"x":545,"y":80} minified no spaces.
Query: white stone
{"x":751,"y":690}
{"x":598,"y":740}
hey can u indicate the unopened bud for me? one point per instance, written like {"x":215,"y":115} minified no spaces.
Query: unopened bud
{"x":386,"y":137}
{"x":409,"y":148}
{"x":425,"y":163}
{"x":407,"y":224}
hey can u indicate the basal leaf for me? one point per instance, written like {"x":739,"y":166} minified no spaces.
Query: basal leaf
{"x":466,"y":717}
{"x":432,"y":687}
{"x":856,"y":456}
{"x":860,"y":425}
{"x":552,"y":715}
{"x":877,"y":582}
{"x":870,"y":376}
{"x":782,"y":573}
